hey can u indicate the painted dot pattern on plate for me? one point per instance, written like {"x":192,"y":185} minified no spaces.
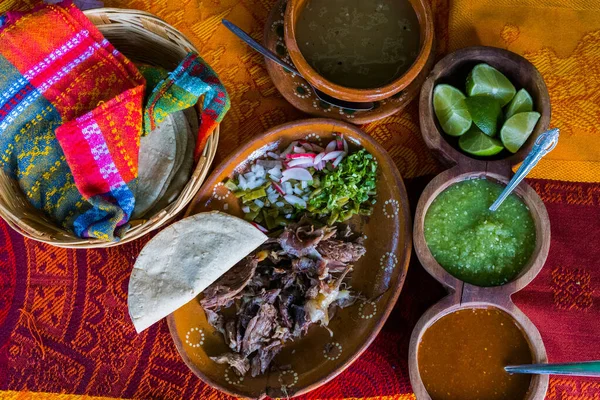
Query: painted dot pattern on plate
{"x":332,"y":351}
{"x":194,"y":342}
{"x":388,"y":261}
{"x":303,"y":91}
{"x":313,"y":136}
{"x":288,"y":378}
{"x":220,"y":192}
{"x":236,"y":380}
{"x":390,"y":208}
{"x":367,"y":310}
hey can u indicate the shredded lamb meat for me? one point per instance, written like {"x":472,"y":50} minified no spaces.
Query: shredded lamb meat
{"x":278,"y":291}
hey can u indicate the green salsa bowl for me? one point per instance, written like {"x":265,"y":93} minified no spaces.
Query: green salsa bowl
{"x":460,"y":242}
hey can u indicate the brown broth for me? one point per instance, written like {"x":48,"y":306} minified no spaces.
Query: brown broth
{"x":463,"y":354}
{"x":357,"y":43}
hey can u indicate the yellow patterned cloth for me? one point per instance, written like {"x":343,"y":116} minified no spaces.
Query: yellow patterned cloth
{"x":562,"y":39}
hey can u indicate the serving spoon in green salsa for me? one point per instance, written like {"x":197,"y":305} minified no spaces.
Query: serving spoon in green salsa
{"x":544,"y":144}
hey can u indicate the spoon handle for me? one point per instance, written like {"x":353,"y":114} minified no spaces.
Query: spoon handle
{"x":544,"y":144}
{"x":588,"y":368}
{"x":257,"y":46}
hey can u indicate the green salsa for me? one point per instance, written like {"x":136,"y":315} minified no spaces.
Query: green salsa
{"x":476,"y":245}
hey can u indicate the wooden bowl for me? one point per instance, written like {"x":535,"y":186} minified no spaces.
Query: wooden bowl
{"x":464,"y":295}
{"x":317,"y":357}
{"x":294,"y":10}
{"x":452,"y":303}
{"x":453,"y":69}
{"x":527,"y":195}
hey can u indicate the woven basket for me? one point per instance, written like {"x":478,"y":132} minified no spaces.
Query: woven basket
{"x":143,"y":38}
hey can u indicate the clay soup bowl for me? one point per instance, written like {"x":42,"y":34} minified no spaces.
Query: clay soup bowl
{"x":453,"y":69}
{"x":316,"y":358}
{"x":424,"y":15}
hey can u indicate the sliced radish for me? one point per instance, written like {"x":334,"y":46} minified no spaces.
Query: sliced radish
{"x":345,"y":145}
{"x":295,"y":200}
{"x":300,"y":155}
{"x":339,"y":143}
{"x":301,"y":162}
{"x":338,"y":160}
{"x":278,"y":188}
{"x":333,"y":155}
{"x":260,"y":228}
{"x":299,"y":174}
{"x":331,"y":146}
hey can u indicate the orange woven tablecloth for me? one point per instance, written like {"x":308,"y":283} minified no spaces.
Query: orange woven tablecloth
{"x":64,"y":327}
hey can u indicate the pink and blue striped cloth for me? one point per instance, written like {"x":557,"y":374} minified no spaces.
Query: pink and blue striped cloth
{"x":71,"y":116}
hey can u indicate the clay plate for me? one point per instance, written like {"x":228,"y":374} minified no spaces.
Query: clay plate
{"x":301,"y":95}
{"x":318,"y":357}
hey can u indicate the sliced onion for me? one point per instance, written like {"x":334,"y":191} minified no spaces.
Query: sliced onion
{"x":301,"y":162}
{"x":299,"y":149}
{"x":289,"y":149}
{"x":319,"y":157}
{"x":246,"y":209}
{"x":331,"y":146}
{"x":242,"y":182}
{"x":288,"y":188}
{"x":338,"y":160}
{"x":320,"y":166}
{"x":273,"y":155}
{"x":333,"y":155}
{"x":295,"y":200}
{"x":300,"y":174}
{"x":259,"y":203}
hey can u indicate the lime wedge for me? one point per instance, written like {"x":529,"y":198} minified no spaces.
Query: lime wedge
{"x":522,"y":102}
{"x":451,"y":110}
{"x":485,"y":80}
{"x":486,"y":113}
{"x":517,"y":129}
{"x":479,"y":144}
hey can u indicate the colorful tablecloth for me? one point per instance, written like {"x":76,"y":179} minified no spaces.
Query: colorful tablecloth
{"x":64,"y":327}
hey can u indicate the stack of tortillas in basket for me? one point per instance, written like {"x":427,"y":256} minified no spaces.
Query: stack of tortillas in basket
{"x":166,"y":161}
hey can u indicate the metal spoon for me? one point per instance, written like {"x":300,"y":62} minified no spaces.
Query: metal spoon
{"x":586,"y":368}
{"x":544,"y":144}
{"x":350,"y":105}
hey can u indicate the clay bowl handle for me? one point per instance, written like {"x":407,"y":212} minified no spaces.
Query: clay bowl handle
{"x":453,"y":69}
{"x":500,"y":294}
